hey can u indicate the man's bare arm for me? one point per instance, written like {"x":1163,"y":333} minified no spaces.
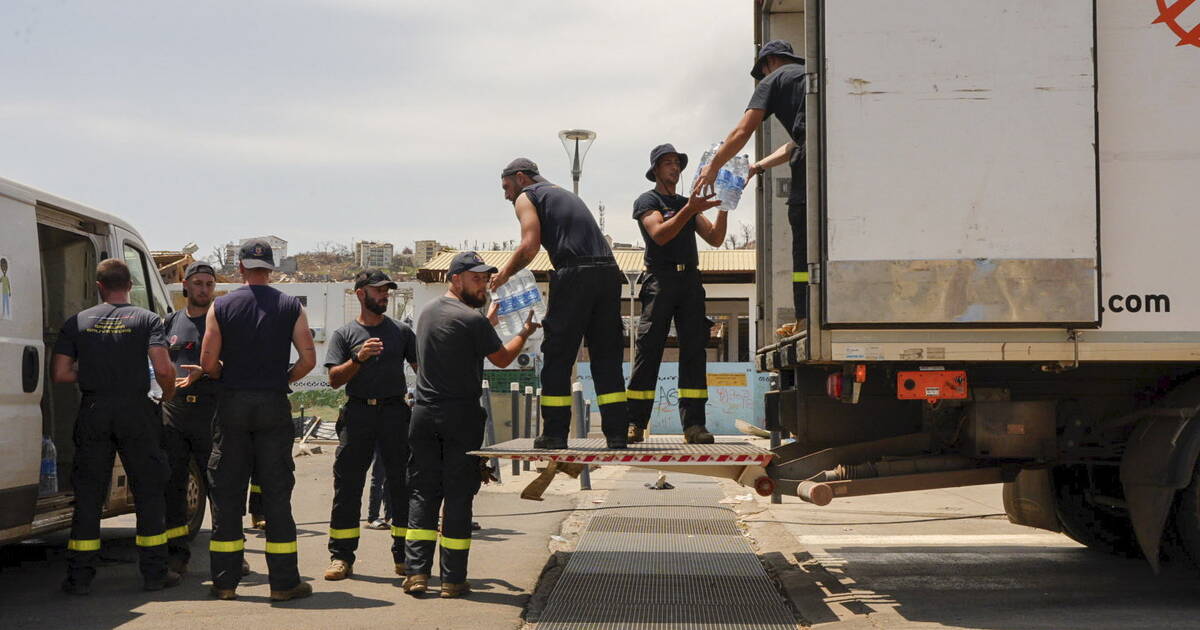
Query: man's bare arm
{"x":210,"y":347}
{"x":512,"y":349}
{"x":531,"y":241}
{"x":733,"y":144}
{"x":63,"y":369}
{"x":303,"y":340}
{"x":164,"y":370}
{"x":713,"y":233}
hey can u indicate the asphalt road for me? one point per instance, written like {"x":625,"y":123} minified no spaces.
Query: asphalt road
{"x":507,"y":557}
{"x":950,"y":559}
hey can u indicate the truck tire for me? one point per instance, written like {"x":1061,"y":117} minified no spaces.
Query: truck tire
{"x":1086,"y":523}
{"x":1187,"y":518}
{"x":197,"y":499}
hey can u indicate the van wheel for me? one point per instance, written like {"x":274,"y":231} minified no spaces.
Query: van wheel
{"x":1187,"y":518}
{"x":1098,"y":527}
{"x":197,"y":499}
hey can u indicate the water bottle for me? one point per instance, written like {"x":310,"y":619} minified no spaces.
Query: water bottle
{"x":731,"y":179}
{"x":48,"y":478}
{"x":515,"y":300}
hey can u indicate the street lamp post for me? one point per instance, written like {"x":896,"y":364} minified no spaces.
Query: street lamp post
{"x":633,"y":277}
{"x":576,"y":142}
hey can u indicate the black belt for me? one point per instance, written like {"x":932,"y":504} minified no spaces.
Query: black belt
{"x":194,"y":399}
{"x":586,"y":261}
{"x":671,"y":268}
{"x":378,"y":402}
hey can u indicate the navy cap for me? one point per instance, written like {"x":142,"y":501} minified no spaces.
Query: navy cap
{"x":469,"y":261}
{"x":523,"y":165}
{"x":373,"y":278}
{"x":199,"y":266}
{"x":256,"y":254}
{"x":776,"y":47}
{"x":661,"y":151}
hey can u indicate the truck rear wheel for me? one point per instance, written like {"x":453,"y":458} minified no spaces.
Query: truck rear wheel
{"x":197,"y":499}
{"x":1098,"y":527}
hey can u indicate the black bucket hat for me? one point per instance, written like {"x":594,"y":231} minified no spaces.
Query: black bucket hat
{"x":776,"y":47}
{"x":659,"y":152}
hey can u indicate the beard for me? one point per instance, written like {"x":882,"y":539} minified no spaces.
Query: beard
{"x":377,"y":307}
{"x":199,"y":302}
{"x":474,"y":301}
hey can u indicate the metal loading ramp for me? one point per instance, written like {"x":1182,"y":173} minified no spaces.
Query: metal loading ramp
{"x":658,"y":559}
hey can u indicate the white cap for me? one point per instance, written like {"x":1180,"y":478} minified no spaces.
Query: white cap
{"x":514,"y":386}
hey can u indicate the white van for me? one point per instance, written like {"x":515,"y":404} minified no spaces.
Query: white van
{"x":49,"y":248}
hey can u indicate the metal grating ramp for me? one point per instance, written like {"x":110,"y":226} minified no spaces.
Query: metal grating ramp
{"x":664,"y":559}
{"x":657,"y":451}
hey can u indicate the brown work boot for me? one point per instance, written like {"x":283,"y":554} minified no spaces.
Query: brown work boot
{"x":635,"y":434}
{"x":338,"y":570}
{"x":697,"y":434}
{"x":258,"y":521}
{"x":245,"y":568}
{"x":401,"y":569}
{"x":223,"y":593}
{"x":300,"y":591}
{"x":416,"y":584}
{"x":451,"y":590}
{"x":168,"y":580}
{"x":178,"y":564}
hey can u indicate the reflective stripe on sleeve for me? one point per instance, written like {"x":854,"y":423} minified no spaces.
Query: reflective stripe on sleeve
{"x":350,"y":532}
{"x":459,"y":544}
{"x":177,"y":532}
{"x":84,"y":545}
{"x":421,"y":534}
{"x":281,"y":547}
{"x":693,"y":393}
{"x":226,"y":546}
{"x":556,"y":401}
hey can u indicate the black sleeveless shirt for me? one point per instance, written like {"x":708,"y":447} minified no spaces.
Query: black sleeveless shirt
{"x":569,"y":231}
{"x":256,"y":323}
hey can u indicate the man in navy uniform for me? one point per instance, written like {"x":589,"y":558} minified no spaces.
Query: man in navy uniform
{"x":247,"y":344}
{"x":672,"y":291}
{"x":104,"y":349}
{"x":367,"y":355}
{"x":453,"y":338}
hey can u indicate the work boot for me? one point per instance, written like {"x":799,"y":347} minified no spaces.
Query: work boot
{"x":226,"y":594}
{"x":178,"y":564}
{"x":416,"y":584}
{"x":167,"y":581}
{"x":245,"y":568}
{"x":550,"y":442}
{"x":635,"y":434}
{"x":72,"y":587}
{"x":697,"y":434}
{"x":258,"y":521}
{"x":401,"y":569}
{"x":300,"y":591}
{"x":338,"y":570}
{"x":615,"y":442}
{"x":451,"y":590}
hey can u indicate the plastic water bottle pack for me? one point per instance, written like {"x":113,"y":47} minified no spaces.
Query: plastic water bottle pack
{"x":515,"y":300}
{"x":731,"y":179}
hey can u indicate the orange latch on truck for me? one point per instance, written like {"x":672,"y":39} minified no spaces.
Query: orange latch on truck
{"x":932,"y":385}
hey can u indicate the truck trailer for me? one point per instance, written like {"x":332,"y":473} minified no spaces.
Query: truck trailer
{"x":1001,"y":210}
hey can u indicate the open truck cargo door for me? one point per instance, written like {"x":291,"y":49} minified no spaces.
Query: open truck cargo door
{"x":959,"y":164}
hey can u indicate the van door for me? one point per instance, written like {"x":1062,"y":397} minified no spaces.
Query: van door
{"x":959,"y":159}
{"x":21,"y":356}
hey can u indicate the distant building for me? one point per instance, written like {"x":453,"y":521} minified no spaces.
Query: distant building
{"x":368,"y":254}
{"x":278,"y":248}
{"x":425,"y":251}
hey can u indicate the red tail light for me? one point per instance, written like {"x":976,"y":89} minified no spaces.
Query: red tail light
{"x":833,"y":385}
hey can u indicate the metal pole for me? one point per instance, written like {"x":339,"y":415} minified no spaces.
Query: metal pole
{"x":576,"y":171}
{"x":514,"y":391}
{"x":528,"y":417}
{"x":580,"y":410}
{"x":537,"y":411}
{"x":776,"y":497}
{"x":485,"y":401}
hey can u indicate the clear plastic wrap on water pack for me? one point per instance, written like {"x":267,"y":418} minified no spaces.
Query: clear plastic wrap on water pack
{"x":515,"y":299}
{"x":731,"y":179}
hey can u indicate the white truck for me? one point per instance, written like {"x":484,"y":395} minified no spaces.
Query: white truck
{"x":49,"y":248}
{"x":1002,"y":209}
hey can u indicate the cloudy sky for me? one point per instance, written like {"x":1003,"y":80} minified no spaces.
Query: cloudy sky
{"x":337,"y":120}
